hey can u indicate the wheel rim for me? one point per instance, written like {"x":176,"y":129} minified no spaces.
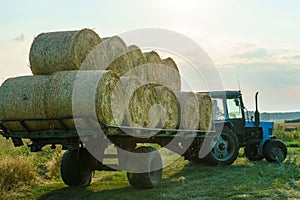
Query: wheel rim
{"x":276,"y":154}
{"x":224,"y":147}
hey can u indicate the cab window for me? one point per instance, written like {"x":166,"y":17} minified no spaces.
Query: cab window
{"x":234,"y":108}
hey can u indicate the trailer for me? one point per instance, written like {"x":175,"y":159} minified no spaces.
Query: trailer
{"x":86,"y":149}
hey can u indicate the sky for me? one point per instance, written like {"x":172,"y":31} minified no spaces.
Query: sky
{"x":253,"y":42}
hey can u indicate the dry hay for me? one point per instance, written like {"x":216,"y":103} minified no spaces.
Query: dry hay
{"x":145,"y":101}
{"x":135,"y":102}
{"x":172,"y":75}
{"x":118,"y":60}
{"x":189,"y":110}
{"x":151,"y":106}
{"x":59,"y":51}
{"x":205,"y":111}
{"x":170,"y":112}
{"x":138,"y":61}
{"x":153,"y":62}
{"x":95,"y":95}
{"x":24,"y":97}
{"x":136,"y":55}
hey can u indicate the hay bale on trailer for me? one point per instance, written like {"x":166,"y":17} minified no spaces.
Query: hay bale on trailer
{"x":134,"y":102}
{"x":118,"y":58}
{"x":144,"y":110}
{"x":65,"y":50}
{"x":170,"y":108}
{"x":138,"y":61}
{"x":152,"y":66}
{"x":189,"y":110}
{"x":24,"y":97}
{"x":93,"y":93}
{"x":136,"y":55}
{"x":205,"y":111}
{"x":171,"y":75}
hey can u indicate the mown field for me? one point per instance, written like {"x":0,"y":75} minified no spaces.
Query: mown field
{"x":26,"y":175}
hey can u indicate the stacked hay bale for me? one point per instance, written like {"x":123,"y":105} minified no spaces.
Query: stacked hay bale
{"x":88,"y":94}
{"x":64,"y":94}
{"x":59,"y":51}
{"x":136,"y":89}
{"x":170,"y":108}
{"x":134,"y":102}
{"x":189,"y":110}
{"x":24,"y":97}
{"x":138,"y":61}
{"x":205,"y":111}
{"x":118,"y":59}
{"x":171,"y":74}
{"x":152,"y":66}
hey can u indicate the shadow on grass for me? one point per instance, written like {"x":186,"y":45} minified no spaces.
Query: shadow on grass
{"x":243,"y":180}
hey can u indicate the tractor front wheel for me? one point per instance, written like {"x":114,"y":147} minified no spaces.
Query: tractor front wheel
{"x":275,"y":151}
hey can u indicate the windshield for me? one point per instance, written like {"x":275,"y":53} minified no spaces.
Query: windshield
{"x":234,"y":108}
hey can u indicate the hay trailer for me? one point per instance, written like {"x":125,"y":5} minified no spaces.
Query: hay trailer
{"x":231,"y":130}
{"x":78,"y":163}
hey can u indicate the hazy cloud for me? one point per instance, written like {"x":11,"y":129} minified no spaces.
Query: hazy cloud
{"x":20,"y":38}
{"x":255,"y":53}
{"x":294,"y":57}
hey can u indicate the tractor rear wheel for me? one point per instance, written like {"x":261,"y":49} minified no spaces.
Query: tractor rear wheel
{"x":225,"y":150}
{"x":153,"y":166}
{"x":275,"y":151}
{"x":75,"y":168}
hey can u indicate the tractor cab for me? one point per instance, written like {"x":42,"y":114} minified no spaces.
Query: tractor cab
{"x":228,"y":109}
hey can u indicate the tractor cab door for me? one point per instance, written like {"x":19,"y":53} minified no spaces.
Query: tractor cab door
{"x":236,"y":116}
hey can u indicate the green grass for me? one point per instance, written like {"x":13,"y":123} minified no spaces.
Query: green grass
{"x":181,"y":180}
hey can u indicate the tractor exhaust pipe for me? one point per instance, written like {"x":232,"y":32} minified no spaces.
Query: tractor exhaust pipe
{"x":256,"y":114}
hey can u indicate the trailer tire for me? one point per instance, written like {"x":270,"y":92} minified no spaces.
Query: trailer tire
{"x":151,"y":178}
{"x":275,"y":151}
{"x":251,"y":152}
{"x":75,"y":168}
{"x":226,"y":149}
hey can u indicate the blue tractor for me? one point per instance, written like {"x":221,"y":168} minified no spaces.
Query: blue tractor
{"x":237,"y":129}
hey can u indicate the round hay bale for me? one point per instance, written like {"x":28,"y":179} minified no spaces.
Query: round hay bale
{"x":24,"y":97}
{"x":172,"y":75}
{"x":85,"y":93}
{"x":144,"y":109}
{"x":170,"y":113}
{"x":134,"y":102}
{"x":136,"y":55}
{"x":151,"y":106}
{"x":170,"y":62}
{"x":205,"y":111}
{"x":118,"y":59}
{"x":189,"y":110}
{"x":138,"y":61}
{"x":153,"y":62}
{"x":59,"y":51}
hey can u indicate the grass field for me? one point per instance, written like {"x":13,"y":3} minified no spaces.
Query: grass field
{"x":181,"y":180}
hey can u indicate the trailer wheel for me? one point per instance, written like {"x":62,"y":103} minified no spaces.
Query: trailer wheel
{"x":152,"y":178}
{"x":275,"y":151}
{"x":75,"y":168}
{"x":225,"y":150}
{"x":251,"y":152}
